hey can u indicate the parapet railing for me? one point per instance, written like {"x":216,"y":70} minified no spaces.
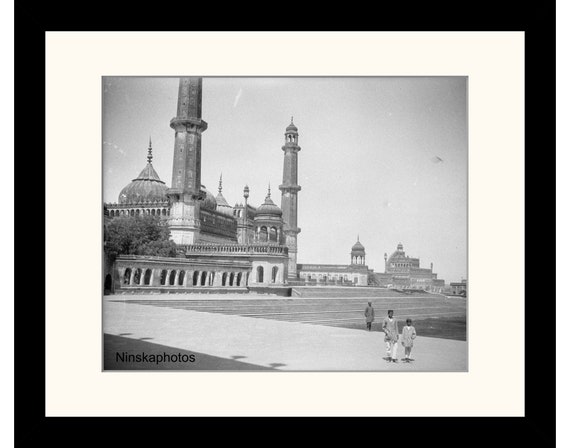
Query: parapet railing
{"x":246,"y":249}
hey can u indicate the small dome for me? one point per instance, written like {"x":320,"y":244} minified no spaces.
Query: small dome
{"x":358,"y":247}
{"x":221,"y":203}
{"x":268,"y":207}
{"x":291,"y":127}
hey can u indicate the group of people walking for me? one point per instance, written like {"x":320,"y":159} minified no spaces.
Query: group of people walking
{"x":391,"y":334}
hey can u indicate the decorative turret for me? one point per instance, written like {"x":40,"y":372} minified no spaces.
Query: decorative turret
{"x":357,"y":253}
{"x":268,"y":221}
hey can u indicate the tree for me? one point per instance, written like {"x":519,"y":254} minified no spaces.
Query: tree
{"x":139,"y":235}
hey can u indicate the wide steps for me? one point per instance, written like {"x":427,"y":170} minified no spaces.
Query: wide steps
{"x":358,"y":292}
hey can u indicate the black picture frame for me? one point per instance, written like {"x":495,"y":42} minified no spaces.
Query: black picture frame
{"x":33,"y":428}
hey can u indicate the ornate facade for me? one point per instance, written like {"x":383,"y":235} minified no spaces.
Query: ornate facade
{"x":402,"y":271}
{"x":231,"y":247}
{"x":224,"y":246}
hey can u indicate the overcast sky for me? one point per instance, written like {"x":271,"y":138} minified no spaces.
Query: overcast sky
{"x":384,"y":157}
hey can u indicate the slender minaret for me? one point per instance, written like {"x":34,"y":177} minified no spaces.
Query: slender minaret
{"x":289,"y":189}
{"x":185,"y":193}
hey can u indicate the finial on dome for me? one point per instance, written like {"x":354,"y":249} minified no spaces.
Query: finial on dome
{"x":291,"y":119}
{"x":358,"y":238}
{"x":149,"y":156}
{"x":220,"y":185}
{"x":269,"y":189}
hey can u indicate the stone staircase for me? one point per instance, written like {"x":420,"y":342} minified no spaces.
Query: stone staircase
{"x":357,"y":291}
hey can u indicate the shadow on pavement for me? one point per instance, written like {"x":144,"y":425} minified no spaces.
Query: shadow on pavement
{"x":121,"y":354}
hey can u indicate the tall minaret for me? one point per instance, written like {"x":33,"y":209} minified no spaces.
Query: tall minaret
{"x":185,"y":193}
{"x":289,"y":190}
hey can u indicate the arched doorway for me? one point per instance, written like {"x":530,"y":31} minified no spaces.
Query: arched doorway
{"x":224,"y":277}
{"x":260,"y":274}
{"x":172,"y":277}
{"x":181,"y":278}
{"x":274,"y":274}
{"x":203,"y":279}
{"x":238,"y":281}
{"x":108,"y":284}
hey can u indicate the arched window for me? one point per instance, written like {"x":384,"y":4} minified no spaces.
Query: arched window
{"x":260,"y":274}
{"x":127,"y":277}
{"x":172,"y":277}
{"x":232,"y":275}
{"x":272,"y":234}
{"x":138,"y":212}
{"x":263,"y":234}
{"x":181,"y":278}
{"x":163,"y":275}
{"x":274,"y":274}
{"x":238,"y":281}
{"x":224,"y":277}
{"x":137,"y":279}
{"x":163,"y":212}
{"x":203,"y":279}
{"x":153,"y":212}
{"x":147,"y":276}
{"x":210,"y":278}
{"x":195,"y":278}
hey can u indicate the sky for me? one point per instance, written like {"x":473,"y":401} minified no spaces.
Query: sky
{"x":383,"y":159}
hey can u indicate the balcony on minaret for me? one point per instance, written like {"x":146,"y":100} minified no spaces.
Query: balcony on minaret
{"x":188,"y":124}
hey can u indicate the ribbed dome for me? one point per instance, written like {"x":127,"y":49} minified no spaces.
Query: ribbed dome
{"x":147,"y":187}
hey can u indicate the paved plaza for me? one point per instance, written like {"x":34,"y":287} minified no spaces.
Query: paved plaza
{"x":233,"y":333}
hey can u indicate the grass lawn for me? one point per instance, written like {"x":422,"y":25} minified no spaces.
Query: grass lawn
{"x":434,"y":327}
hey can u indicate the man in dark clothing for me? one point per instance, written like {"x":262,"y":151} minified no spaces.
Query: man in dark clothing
{"x":369,"y":314}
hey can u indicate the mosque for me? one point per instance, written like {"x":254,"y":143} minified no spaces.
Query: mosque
{"x":242,"y":247}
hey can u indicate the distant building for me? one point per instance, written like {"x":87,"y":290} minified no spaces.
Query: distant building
{"x":355,"y":273}
{"x":459,"y":287}
{"x":404,"y":272}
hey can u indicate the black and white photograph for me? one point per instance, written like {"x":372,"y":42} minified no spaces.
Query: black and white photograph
{"x":285,"y":223}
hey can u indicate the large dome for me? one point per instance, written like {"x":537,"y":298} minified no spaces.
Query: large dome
{"x":209,"y":202}
{"x":147,"y":187}
{"x":398,"y":254}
